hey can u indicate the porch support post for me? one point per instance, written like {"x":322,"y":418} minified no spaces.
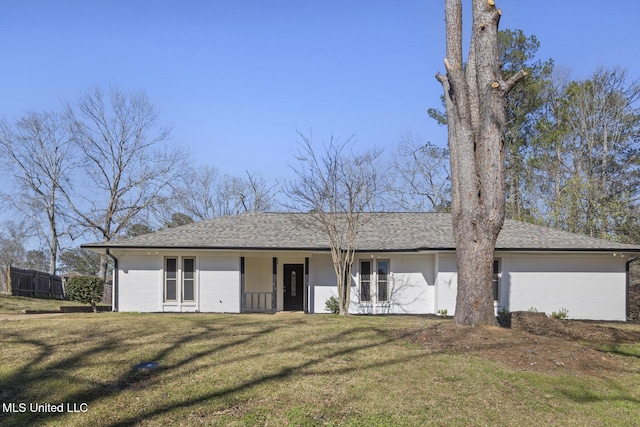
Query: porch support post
{"x":243,"y":298}
{"x":305,"y":290}
{"x":274,"y":292}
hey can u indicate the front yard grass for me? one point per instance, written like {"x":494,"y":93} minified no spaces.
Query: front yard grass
{"x":309,"y":370}
{"x":10,"y":304}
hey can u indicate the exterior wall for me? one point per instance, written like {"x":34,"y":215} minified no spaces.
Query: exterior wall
{"x":589,"y":286}
{"x":258,"y":274}
{"x":410,"y":284}
{"x":322,"y":282}
{"x":446,"y":283}
{"x":140,"y":283}
{"x":219,"y":282}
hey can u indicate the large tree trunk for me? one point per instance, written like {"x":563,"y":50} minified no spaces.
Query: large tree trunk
{"x":475,"y":99}
{"x":104,"y":265}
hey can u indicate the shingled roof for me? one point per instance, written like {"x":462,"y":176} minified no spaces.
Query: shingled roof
{"x":399,"y":231}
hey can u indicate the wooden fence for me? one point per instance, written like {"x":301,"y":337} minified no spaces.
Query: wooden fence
{"x":31,"y":283}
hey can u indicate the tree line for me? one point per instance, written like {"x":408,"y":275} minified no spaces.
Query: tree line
{"x":103,"y":167}
{"x":572,"y":146}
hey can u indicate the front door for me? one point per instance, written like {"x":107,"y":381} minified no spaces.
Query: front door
{"x":293,"y":286}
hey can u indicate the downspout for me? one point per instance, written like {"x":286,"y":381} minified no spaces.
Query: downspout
{"x":628,"y":284}
{"x":114,"y":289}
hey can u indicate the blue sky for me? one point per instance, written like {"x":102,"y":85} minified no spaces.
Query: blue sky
{"x":236,"y":79}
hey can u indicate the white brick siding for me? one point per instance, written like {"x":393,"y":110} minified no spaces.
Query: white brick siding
{"x":588,"y":285}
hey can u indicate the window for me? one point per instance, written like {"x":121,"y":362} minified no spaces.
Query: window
{"x":188,"y":279}
{"x":170,"y":279}
{"x":365,"y":281}
{"x":496,"y":279}
{"x":382,"y":279}
{"x":293,"y":283}
{"x":180,"y":279}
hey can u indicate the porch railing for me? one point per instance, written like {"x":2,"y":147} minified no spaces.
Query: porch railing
{"x":258,"y":302}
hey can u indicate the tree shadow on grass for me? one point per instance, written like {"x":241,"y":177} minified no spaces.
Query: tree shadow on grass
{"x":47,"y":360}
{"x":22,"y":385}
{"x":202,"y":343}
{"x":286,"y":372}
{"x":620,"y":350}
{"x":581,"y":393}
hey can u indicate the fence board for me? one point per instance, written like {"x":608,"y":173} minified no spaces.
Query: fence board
{"x":31,"y":283}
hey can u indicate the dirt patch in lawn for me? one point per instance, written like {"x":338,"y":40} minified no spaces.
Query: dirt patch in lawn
{"x":535,"y":343}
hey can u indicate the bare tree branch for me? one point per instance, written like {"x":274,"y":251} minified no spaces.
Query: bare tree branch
{"x":125,"y":158}
{"x":37,"y":150}
{"x":334,"y":188}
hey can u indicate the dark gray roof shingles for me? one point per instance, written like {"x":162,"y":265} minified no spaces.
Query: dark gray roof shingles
{"x":382,"y":232}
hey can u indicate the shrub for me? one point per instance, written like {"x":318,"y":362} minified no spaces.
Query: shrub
{"x":504,"y":317}
{"x":560,"y":314}
{"x":85,"y":290}
{"x":442,"y":312}
{"x":332,"y":305}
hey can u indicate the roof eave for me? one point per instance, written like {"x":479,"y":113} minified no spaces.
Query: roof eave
{"x":572,"y":249}
{"x":363,"y":250}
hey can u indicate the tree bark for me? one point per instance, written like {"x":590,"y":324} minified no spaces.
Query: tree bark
{"x":475,"y":100}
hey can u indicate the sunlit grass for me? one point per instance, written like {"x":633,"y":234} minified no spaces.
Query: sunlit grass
{"x":13,"y":305}
{"x":281,"y":370}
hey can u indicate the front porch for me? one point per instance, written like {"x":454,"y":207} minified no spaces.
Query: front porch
{"x":270,"y":284}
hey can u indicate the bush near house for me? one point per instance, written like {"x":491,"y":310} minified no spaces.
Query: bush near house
{"x":86,"y":290}
{"x":332,"y":305}
{"x":563,"y":313}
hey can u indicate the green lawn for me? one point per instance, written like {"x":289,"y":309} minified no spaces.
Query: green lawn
{"x":13,"y":305}
{"x":16,"y":305}
{"x":310,"y":370}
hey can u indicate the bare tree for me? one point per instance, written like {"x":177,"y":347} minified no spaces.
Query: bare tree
{"x":127,"y":164}
{"x":178,"y":219}
{"x":195,"y":193}
{"x":475,"y":99}
{"x":202,"y":194}
{"x":237,"y":195}
{"x":13,"y":236}
{"x":420,"y":176}
{"x":334,"y":189}
{"x":81,"y":261}
{"x":37,"y":149}
{"x":36,"y":260}
{"x":261,"y":194}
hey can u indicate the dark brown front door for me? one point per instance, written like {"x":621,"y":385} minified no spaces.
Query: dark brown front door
{"x":293,"y":286}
